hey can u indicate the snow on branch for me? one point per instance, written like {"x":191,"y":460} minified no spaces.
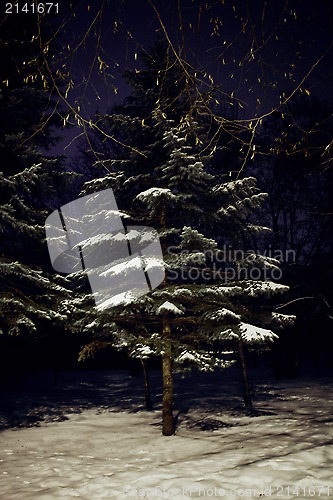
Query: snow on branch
{"x":169,"y":307}
{"x":282,"y":320}
{"x":259,"y":288}
{"x":255,"y":334}
{"x":193,"y":237}
{"x":156,"y":194}
{"x":222,"y":314}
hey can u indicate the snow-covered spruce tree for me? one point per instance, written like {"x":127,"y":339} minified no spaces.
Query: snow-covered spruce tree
{"x":29,"y":295}
{"x":31,"y":185}
{"x":209,"y":301}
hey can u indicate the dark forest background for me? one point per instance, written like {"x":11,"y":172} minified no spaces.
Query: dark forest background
{"x":222,"y":77}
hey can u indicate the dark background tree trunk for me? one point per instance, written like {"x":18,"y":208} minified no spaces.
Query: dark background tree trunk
{"x":149,"y":405}
{"x":168,"y":426}
{"x":245,"y":376}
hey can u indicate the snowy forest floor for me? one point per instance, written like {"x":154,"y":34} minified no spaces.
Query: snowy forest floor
{"x":89,"y":436}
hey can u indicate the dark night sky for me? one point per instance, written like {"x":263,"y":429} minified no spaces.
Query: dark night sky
{"x":259,"y":48}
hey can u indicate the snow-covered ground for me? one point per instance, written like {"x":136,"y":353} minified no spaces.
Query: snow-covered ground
{"x":281,"y":451}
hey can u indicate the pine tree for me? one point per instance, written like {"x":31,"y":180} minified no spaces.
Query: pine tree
{"x":215,"y":288}
{"x":29,"y":295}
{"x":31,"y":185}
{"x":208,"y":302}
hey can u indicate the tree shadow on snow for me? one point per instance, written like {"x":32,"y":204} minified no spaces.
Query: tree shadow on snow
{"x":40,"y":399}
{"x":201,"y":400}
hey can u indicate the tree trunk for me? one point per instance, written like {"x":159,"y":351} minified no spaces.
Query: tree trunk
{"x":246,"y":385}
{"x":149,"y":405}
{"x":168,"y":425}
